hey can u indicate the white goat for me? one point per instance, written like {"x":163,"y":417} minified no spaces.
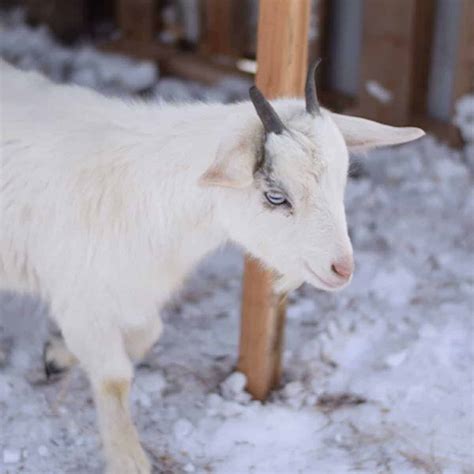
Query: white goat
{"x":106,"y":205}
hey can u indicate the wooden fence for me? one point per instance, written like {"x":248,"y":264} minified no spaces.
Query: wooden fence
{"x":397,"y":61}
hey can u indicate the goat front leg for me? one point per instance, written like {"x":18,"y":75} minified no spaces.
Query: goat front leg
{"x":138,"y":341}
{"x":100,"y":350}
{"x":122,"y":447}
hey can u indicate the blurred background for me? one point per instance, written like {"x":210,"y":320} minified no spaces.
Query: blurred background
{"x":377,"y":378}
{"x":407,"y":61}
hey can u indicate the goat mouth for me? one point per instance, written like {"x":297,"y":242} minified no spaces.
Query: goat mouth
{"x":328,"y":284}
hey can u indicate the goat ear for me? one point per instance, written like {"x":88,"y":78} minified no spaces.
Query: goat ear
{"x":362,"y":134}
{"x":233,"y":166}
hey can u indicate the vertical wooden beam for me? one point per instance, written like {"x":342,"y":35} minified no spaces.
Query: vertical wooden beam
{"x":387,"y":60}
{"x":282,"y":51}
{"x":137,"y":19}
{"x":282,"y":47}
{"x":423,"y":44}
{"x":218,"y":27}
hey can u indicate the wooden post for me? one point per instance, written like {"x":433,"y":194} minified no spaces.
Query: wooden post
{"x":282,"y":51}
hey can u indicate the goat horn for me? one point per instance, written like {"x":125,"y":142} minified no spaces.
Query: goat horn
{"x":312,"y":104}
{"x":271,"y":122}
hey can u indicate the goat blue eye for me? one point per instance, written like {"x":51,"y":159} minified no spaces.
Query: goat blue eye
{"x":276,"y":199}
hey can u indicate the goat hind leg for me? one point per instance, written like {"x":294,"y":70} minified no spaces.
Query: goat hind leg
{"x":57,"y":358}
{"x":101,"y":352}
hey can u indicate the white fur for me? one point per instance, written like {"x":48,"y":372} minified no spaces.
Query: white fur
{"x":106,"y":205}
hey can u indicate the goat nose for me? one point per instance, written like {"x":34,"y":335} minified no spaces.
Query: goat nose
{"x":344,"y":267}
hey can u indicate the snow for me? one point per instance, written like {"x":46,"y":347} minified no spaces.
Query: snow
{"x":464,"y":120}
{"x":379,"y":92}
{"x":464,"y":117}
{"x":233,"y":388}
{"x":36,"y":49}
{"x":11,"y":456}
{"x":43,"y":451}
{"x":377,"y":378}
{"x":111,"y":74}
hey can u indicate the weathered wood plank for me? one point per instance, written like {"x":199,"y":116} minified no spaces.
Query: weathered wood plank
{"x":218,"y":27}
{"x":464,"y":72}
{"x":387,"y":60}
{"x":137,"y":19}
{"x":423,"y":44}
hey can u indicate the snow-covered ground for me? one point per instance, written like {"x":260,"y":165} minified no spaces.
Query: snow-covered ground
{"x":378,"y":378}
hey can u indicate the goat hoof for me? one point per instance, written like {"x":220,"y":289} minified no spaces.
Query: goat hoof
{"x":56,"y":358}
{"x":51,"y":369}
